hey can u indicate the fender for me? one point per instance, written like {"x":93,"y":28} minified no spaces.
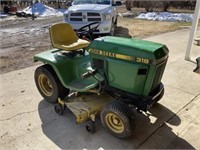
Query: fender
{"x":67,"y":68}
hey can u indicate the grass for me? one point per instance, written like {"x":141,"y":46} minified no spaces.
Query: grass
{"x":131,"y":27}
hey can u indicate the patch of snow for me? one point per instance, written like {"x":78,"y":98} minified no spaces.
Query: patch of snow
{"x":42,"y":10}
{"x":166,"y":16}
{"x":32,"y":30}
{"x":61,"y":10}
{"x":126,"y":14}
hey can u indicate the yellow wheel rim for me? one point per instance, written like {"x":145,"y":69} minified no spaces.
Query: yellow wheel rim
{"x":114,"y":123}
{"x":45,"y":85}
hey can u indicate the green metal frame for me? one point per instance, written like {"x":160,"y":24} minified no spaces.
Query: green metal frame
{"x":135,"y":66}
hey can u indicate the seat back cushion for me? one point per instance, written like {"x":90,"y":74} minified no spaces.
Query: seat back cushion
{"x":62,"y":33}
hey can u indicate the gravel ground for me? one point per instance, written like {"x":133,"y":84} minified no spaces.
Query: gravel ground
{"x":21,"y":40}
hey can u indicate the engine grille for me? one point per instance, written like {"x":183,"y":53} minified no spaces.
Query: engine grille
{"x":85,"y":16}
{"x":158,"y":75}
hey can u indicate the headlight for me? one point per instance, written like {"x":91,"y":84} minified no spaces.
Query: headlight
{"x":106,"y":16}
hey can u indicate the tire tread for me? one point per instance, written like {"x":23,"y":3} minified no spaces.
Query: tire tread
{"x":60,"y":92}
{"x":124,"y":112}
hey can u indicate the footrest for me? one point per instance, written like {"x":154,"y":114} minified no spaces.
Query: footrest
{"x":82,"y":85}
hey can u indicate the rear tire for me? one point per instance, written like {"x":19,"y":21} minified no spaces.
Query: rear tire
{"x":49,"y":85}
{"x":118,"y":119}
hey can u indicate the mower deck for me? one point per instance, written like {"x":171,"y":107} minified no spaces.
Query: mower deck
{"x":87,"y":106}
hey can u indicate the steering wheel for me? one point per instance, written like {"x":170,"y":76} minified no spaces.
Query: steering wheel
{"x":86,"y":32}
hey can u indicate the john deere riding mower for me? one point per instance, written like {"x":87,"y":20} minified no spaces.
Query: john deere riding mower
{"x":109,"y":76}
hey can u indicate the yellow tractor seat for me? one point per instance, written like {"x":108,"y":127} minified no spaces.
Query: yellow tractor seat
{"x":63,"y":37}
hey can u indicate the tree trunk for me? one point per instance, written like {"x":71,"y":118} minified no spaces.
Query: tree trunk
{"x":128,"y":5}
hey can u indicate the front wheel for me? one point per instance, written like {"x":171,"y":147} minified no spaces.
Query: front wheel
{"x":49,"y":85}
{"x":160,"y":96}
{"x":118,"y":119}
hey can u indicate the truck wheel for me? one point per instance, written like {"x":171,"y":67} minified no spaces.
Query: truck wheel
{"x":118,"y":119}
{"x":6,"y":9}
{"x":115,"y":22}
{"x":49,"y":85}
{"x":112,"y":30}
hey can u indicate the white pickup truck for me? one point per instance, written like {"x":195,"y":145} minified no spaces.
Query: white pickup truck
{"x":83,"y":12}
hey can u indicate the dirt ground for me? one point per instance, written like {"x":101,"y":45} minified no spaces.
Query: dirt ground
{"x":22,"y":38}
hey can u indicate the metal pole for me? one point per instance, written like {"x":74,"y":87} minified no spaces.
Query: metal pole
{"x":193,"y":30}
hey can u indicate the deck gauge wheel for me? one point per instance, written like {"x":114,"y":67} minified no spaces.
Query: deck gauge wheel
{"x":59,"y":109}
{"x":90,"y":127}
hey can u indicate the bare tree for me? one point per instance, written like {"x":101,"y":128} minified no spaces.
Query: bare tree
{"x":128,"y":5}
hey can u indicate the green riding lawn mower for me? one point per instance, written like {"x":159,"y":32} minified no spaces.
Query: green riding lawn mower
{"x":110,"y":76}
